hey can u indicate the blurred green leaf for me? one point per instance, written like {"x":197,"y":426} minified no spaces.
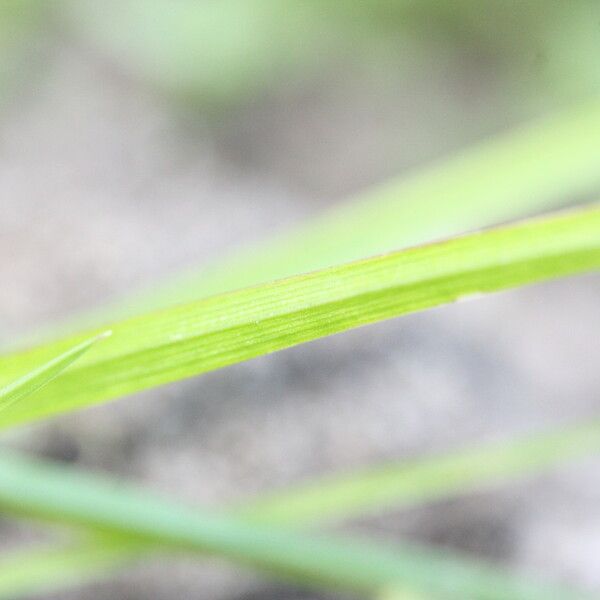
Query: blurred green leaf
{"x":214,"y":52}
{"x":400,"y":485}
{"x":543,"y":51}
{"x":417,"y":482}
{"x":224,"y":52}
{"x":37,"y":489}
{"x":332,"y":499}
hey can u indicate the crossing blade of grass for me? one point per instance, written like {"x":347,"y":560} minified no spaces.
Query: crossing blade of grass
{"x":37,"y":489}
{"x":421,"y":481}
{"x":508,"y":177}
{"x":42,"y":375}
{"x":329,"y":500}
{"x":187,"y":340}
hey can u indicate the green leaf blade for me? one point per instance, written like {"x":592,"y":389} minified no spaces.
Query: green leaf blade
{"x":402,"y":484}
{"x":188,"y":340}
{"x":36,"y":489}
{"x":414,"y":483}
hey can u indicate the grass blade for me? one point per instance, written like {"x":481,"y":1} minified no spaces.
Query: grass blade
{"x":422,"y":481}
{"x":187,"y":340}
{"x":37,"y":489}
{"x":399,"y":485}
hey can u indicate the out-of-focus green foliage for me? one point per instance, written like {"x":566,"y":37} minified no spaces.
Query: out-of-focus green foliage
{"x":20,"y":21}
{"x":221,"y":51}
{"x":418,"y":482}
{"x":547,"y":47}
{"x":63,"y":494}
{"x":403,"y":484}
{"x":216,"y":51}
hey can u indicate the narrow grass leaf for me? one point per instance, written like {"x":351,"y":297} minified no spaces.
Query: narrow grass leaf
{"x":418,"y":482}
{"x":187,"y":340}
{"x":398,"y":485}
{"x":37,"y":489}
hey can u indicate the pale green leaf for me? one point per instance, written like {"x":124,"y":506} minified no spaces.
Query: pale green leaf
{"x":417,"y":482}
{"x":402,"y":484}
{"x":37,"y":489}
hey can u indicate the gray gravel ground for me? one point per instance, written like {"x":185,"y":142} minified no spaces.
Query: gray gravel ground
{"x":103,"y":188}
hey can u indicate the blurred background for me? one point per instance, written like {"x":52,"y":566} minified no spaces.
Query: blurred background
{"x":142,"y":138}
